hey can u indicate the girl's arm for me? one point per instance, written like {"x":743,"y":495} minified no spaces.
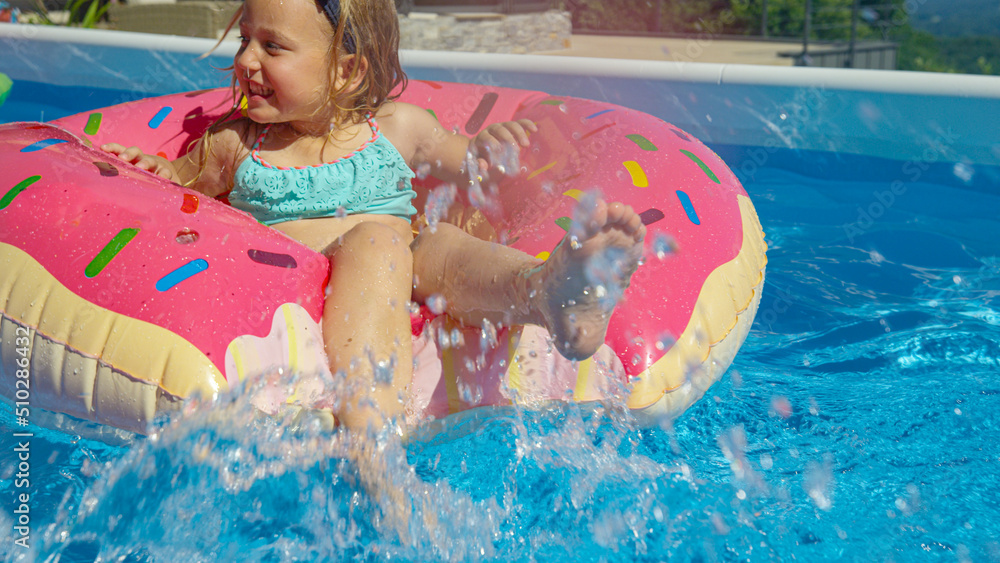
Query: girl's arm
{"x":223,"y":146}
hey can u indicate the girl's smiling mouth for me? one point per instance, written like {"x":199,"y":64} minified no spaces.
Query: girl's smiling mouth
{"x":258,"y":89}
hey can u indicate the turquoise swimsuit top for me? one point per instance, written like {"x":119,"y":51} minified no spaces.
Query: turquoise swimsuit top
{"x":373,"y":179}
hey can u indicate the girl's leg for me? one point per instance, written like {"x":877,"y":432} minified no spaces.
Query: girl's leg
{"x":366,"y":322}
{"x":480,"y":280}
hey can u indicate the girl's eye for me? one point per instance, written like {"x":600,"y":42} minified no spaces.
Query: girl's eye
{"x":272,"y":46}
{"x":243,"y":39}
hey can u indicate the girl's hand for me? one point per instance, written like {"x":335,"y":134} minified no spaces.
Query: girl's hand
{"x":495,"y":145}
{"x":155,"y":164}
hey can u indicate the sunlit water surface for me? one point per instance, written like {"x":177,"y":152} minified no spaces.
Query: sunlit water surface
{"x":859,"y":422}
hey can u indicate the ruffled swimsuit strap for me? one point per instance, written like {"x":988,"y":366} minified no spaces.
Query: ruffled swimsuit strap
{"x":255,"y":151}
{"x":260,"y":139}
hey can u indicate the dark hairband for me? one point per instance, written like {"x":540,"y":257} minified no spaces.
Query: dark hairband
{"x":332,"y":10}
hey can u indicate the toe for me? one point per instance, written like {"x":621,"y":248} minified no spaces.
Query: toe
{"x":617,"y":212}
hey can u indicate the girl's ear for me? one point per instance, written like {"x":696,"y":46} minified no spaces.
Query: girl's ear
{"x":351,"y":70}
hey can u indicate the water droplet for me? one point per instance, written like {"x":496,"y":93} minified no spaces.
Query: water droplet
{"x":818,"y":482}
{"x":664,"y":245}
{"x":423,"y":171}
{"x":436,"y":303}
{"x":487,"y":336}
{"x":444,"y":339}
{"x":766,"y":462}
{"x":963,"y":172}
{"x":719,"y":524}
{"x":665,"y":341}
{"x":780,"y":406}
{"x":470,"y":394}
{"x":476,"y":196}
{"x":457,"y":339}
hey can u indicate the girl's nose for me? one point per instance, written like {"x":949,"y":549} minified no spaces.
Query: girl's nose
{"x":247,"y":62}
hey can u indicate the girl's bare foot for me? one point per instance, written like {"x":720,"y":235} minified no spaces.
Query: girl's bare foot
{"x":577,"y":288}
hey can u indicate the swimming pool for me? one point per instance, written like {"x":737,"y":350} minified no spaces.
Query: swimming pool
{"x":859,"y":422}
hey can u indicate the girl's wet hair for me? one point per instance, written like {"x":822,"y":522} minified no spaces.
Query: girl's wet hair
{"x":369,"y":30}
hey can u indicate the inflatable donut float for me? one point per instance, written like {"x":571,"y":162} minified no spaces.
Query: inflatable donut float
{"x":121,"y":294}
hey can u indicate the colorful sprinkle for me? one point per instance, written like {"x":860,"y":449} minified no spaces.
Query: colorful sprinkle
{"x":276,"y":259}
{"x":16,"y":190}
{"x":570,"y":178}
{"x":430,"y":111}
{"x":110,"y":251}
{"x":93,"y":124}
{"x":552,"y":103}
{"x":564,"y":223}
{"x":602,"y":112}
{"x":243,"y":105}
{"x":651,"y":216}
{"x":482,"y":111}
{"x":704,"y":167}
{"x":543,"y":255}
{"x":573,"y":193}
{"x":639,"y":179}
{"x":106,"y":168}
{"x":598,"y":130}
{"x":190,"y":204}
{"x":193,"y":267}
{"x":542,"y":169}
{"x":680,"y":134}
{"x":688,"y":207}
{"x":434,"y":85}
{"x":43,"y":144}
{"x":641,"y":141}
{"x":159,"y":117}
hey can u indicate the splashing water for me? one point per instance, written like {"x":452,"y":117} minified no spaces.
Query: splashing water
{"x":858,"y":425}
{"x":663,"y":246}
{"x":439,"y":201}
{"x":583,"y":213}
{"x":436,"y":303}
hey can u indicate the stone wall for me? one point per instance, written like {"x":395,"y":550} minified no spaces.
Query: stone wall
{"x":486,"y":33}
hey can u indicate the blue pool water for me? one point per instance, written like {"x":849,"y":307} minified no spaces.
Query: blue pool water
{"x":859,"y":422}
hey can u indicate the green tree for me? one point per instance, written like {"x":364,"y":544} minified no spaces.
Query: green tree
{"x":831,"y":21}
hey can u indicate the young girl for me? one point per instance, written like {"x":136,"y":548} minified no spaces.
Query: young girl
{"x":325,"y":155}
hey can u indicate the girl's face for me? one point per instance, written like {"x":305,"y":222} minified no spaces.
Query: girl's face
{"x":283,"y":64}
